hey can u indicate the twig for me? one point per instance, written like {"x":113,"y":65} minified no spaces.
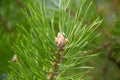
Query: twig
{"x":4,"y":23}
{"x":115,"y":5}
{"x":19,"y":3}
{"x":109,"y":47}
{"x":106,"y":44}
{"x":55,"y":69}
{"x":111,"y":58}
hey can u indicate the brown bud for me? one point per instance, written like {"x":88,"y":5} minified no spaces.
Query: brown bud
{"x":60,"y":40}
{"x":14,"y":58}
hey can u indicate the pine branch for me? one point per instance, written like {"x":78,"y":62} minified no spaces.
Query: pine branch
{"x":52,"y":59}
{"x":60,"y":43}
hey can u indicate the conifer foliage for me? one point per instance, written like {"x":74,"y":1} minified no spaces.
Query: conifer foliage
{"x":50,"y":46}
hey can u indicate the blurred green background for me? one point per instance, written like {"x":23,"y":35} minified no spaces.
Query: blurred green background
{"x":107,"y":63}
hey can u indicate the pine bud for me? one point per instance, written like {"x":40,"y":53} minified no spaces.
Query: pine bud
{"x":14,"y":58}
{"x":60,"y":40}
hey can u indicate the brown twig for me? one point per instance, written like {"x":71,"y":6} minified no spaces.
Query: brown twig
{"x":55,"y":69}
{"x":115,"y":5}
{"x":19,"y":3}
{"x":106,"y":44}
{"x":109,"y":48}
{"x":111,"y":58}
{"x":4,"y":23}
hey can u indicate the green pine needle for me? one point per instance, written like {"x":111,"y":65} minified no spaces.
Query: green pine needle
{"x":36,"y":49}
